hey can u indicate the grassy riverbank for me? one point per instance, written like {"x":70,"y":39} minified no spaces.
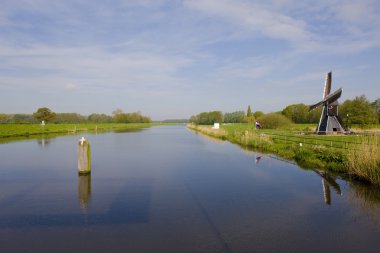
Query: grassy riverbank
{"x":355,"y":155}
{"x":26,"y":130}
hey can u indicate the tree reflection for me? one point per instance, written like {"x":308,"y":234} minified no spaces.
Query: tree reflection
{"x":366,"y":197}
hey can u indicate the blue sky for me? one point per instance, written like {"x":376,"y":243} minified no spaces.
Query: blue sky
{"x":173,"y":59}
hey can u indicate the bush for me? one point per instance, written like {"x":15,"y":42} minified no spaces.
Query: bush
{"x":274,"y":121}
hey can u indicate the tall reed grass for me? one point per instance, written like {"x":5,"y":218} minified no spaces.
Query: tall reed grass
{"x":364,"y":161}
{"x":218,"y":133}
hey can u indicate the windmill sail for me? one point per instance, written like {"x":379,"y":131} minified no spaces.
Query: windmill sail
{"x":327,"y":89}
{"x":330,"y":99}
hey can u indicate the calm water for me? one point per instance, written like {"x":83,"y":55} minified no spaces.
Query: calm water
{"x":166,"y":189}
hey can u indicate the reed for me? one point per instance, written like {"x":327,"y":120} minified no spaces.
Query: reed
{"x":218,"y":133}
{"x":364,"y":161}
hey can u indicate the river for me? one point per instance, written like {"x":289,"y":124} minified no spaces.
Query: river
{"x":168,"y":189}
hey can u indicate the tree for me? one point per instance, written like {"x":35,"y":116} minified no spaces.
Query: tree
{"x":69,"y":118}
{"x":360,"y":111}
{"x":274,"y":121}
{"x":249,"y":111}
{"x":376,"y":107}
{"x":99,"y":118}
{"x":116,"y":112}
{"x":234,"y":117}
{"x":207,"y":118}
{"x":298,"y":113}
{"x":258,"y":114}
{"x":4,"y":118}
{"x":44,"y":114}
{"x":315,"y":115}
{"x":118,"y":116}
{"x":134,"y":117}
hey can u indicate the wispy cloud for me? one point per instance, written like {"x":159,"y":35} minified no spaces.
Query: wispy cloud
{"x":339,"y":26}
{"x":255,"y":18}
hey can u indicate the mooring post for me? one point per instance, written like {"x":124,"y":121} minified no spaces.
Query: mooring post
{"x":84,"y":156}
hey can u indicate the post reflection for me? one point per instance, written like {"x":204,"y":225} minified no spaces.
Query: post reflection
{"x":84,"y":191}
{"x":43,"y":142}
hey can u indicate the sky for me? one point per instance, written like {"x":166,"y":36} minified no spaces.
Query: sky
{"x":176,"y":58}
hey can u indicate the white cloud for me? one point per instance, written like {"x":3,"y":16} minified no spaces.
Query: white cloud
{"x":71,"y":87}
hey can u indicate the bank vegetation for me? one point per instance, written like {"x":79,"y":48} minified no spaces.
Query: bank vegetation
{"x":356,"y":156}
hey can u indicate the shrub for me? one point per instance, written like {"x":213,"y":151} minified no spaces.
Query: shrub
{"x":274,"y":121}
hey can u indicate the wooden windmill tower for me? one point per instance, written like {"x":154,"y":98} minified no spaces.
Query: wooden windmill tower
{"x":328,"y":122}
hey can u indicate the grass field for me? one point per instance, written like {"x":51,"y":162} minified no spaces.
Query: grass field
{"x":20,"y":130}
{"x":356,"y":155}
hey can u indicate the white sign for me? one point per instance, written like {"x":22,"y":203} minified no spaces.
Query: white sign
{"x":216,"y":126}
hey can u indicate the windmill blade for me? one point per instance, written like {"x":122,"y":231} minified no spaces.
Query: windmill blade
{"x":329,"y":99}
{"x":334,"y":96}
{"x":327,"y":89}
{"x":312,"y":107}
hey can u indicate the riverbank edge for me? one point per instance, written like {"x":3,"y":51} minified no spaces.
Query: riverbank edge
{"x":307,"y":157}
{"x":27,"y":130}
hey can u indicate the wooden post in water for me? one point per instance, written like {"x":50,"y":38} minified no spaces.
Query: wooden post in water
{"x":84,"y":156}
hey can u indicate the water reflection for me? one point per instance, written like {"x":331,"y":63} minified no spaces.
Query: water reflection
{"x":128,"y":130}
{"x":44,"y":141}
{"x":192,"y":194}
{"x":327,"y":181}
{"x":366,"y":198}
{"x":84,"y":191}
{"x":258,"y":159}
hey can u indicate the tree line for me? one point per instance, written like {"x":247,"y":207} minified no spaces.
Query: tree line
{"x":209,"y":118}
{"x":45,"y":114}
{"x":359,"y":110}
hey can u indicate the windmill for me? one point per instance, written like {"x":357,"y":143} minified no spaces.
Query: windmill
{"x":328,"y":122}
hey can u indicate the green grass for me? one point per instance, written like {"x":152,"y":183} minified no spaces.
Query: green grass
{"x":354,"y":155}
{"x":26,"y":130}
